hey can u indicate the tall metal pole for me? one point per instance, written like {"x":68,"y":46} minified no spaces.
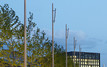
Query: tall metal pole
{"x":53,"y":20}
{"x":79,"y":56}
{"x":52,"y":39}
{"x":25,"y":46}
{"x":74,"y":50}
{"x":67,"y":30}
{"x":66,"y":45}
{"x":103,"y":65}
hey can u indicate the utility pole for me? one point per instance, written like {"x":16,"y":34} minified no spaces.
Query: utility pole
{"x":74,"y":50}
{"x":103,"y":65}
{"x":79,"y":56}
{"x":66,"y":34}
{"x":53,"y":20}
{"x":25,"y":46}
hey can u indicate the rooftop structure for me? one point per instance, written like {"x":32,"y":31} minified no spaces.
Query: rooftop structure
{"x":85,"y":59}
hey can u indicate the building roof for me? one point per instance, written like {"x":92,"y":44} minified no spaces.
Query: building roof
{"x":85,"y":55}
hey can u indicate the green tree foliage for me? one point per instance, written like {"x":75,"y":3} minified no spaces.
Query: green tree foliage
{"x":8,"y":22}
{"x":39,"y":47}
{"x":9,"y":26}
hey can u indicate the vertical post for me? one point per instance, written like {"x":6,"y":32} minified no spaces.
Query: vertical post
{"x":53,"y":20}
{"x":103,"y":65}
{"x":79,"y":56}
{"x":66,"y":34}
{"x":66,"y":45}
{"x":74,"y":50}
{"x":52,"y":39}
{"x":25,"y":46}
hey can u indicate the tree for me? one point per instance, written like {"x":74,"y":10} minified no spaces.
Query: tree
{"x":9,"y":23}
{"x":30,"y":28}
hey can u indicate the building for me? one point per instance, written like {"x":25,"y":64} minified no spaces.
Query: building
{"x":85,"y":59}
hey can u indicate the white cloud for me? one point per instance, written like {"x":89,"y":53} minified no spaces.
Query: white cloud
{"x":60,"y":34}
{"x":80,"y":35}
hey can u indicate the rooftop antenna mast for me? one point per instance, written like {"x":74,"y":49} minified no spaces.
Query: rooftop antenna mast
{"x":67,"y":31}
{"x":53,"y":21}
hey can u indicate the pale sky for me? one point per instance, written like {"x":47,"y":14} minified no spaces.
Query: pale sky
{"x":86,"y":19}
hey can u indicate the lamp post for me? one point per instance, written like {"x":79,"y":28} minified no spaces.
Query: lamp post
{"x":25,"y":46}
{"x":66,"y":34}
{"x":79,"y":56}
{"x":74,"y":50}
{"x":53,"y":20}
{"x":103,"y":65}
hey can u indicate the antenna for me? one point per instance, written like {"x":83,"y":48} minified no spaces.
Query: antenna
{"x":54,"y":14}
{"x":67,"y":32}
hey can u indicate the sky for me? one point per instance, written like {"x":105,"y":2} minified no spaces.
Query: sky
{"x":86,"y":20}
